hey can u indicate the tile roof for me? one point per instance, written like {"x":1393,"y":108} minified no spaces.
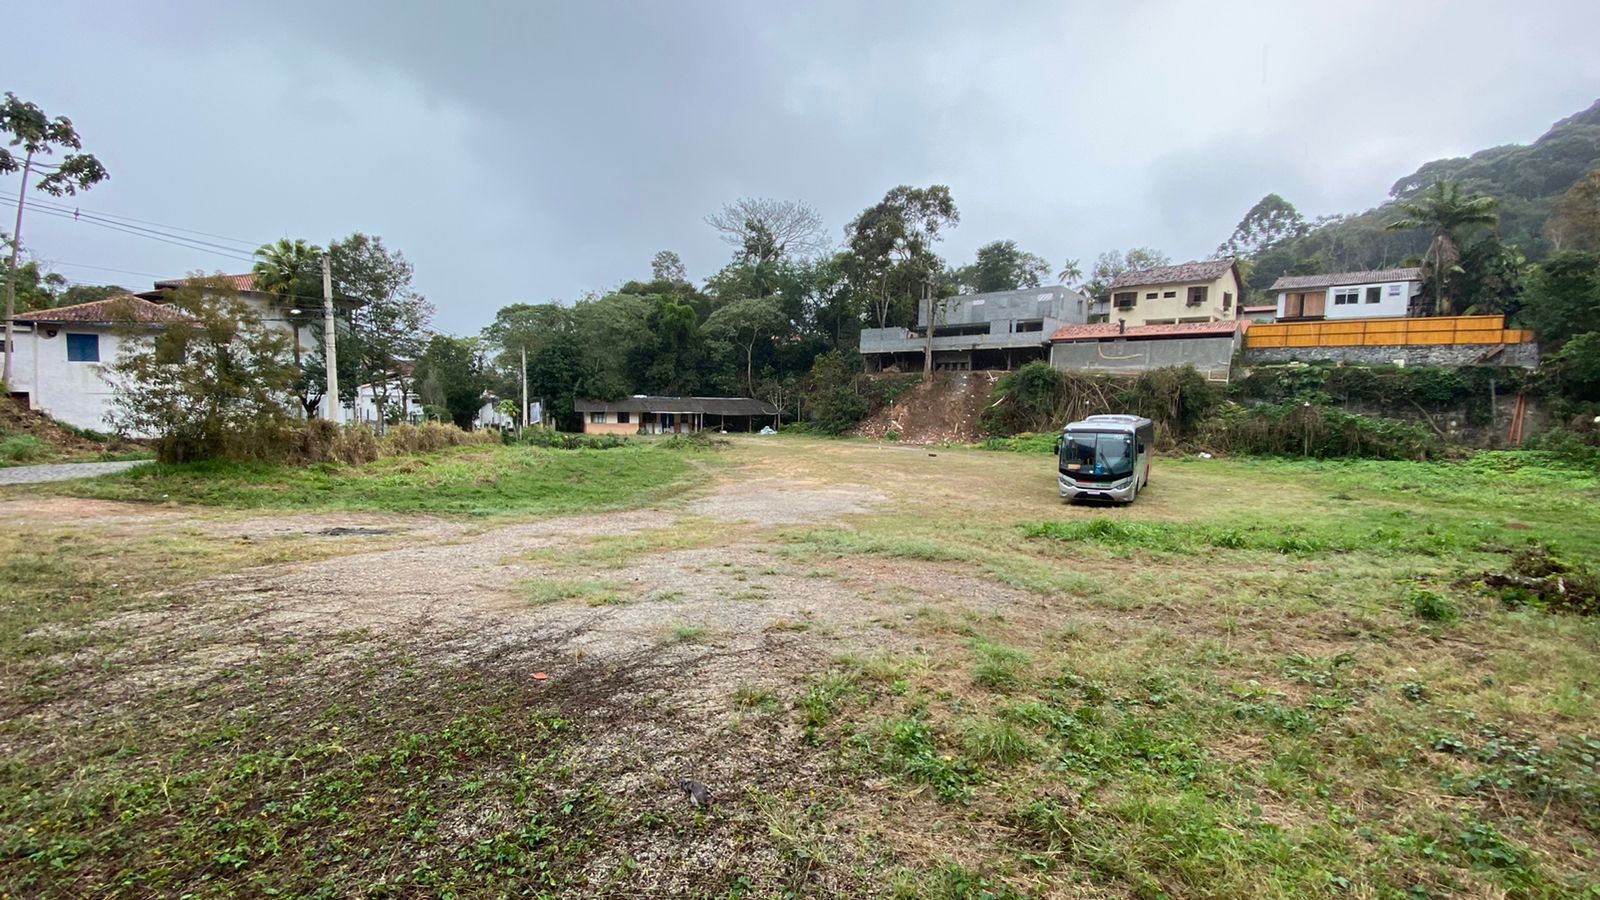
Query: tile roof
{"x":1334,"y":279}
{"x":119,"y":310}
{"x":1204,"y":270}
{"x":245,"y":282}
{"x":1110,"y":331}
{"x":716,"y":406}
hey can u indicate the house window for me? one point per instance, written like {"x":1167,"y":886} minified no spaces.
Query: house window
{"x":1394,"y":290}
{"x":1346,"y":296}
{"x":1374,"y":294}
{"x":1227,"y":300}
{"x":1030,"y":325}
{"x":622,"y":418}
{"x":83,"y":348}
{"x":597,"y":418}
{"x":1169,"y":295}
{"x":1126,"y":299}
{"x":1150,"y":296}
{"x":1197,"y":295}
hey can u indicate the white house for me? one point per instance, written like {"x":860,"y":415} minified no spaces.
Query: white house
{"x":60,"y":352}
{"x":1382,"y":293}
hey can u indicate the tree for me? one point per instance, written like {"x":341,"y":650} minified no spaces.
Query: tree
{"x":766,"y":230}
{"x":38,"y":135}
{"x":1001,"y":266}
{"x":1268,"y":224}
{"x":1110,"y":264}
{"x":292,"y":272}
{"x":1576,"y":222}
{"x":451,"y":370}
{"x":388,"y":320}
{"x":557,"y":374}
{"x":1449,"y":213}
{"x":1071,"y":273}
{"x":207,"y":386}
{"x":891,"y":245}
{"x":1577,"y":366}
{"x":746,"y":322}
{"x":668,"y":267}
{"x":1562,"y":297}
{"x":33,"y":286}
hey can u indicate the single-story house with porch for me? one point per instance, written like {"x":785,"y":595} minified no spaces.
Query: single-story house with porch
{"x":641,"y":414}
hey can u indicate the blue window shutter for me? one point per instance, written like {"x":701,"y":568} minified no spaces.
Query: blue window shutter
{"x":83,"y":348}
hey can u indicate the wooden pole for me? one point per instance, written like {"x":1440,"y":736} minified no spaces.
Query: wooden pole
{"x":11,"y":275}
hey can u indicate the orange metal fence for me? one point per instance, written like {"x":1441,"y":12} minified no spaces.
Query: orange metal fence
{"x":1386,"y":332}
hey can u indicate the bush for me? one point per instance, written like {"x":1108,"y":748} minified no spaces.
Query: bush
{"x":1040,"y":398}
{"x":1431,"y":605}
{"x":23,"y":448}
{"x":1308,"y":429}
{"x":566,"y":440}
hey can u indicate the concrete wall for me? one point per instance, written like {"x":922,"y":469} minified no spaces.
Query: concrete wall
{"x":1162,"y":308}
{"x":1524,"y":355}
{"x":1213,"y":356}
{"x":1062,"y":303}
{"x":1394,"y":299}
{"x":77,"y":393}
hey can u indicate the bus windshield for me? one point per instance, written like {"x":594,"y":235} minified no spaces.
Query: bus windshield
{"x":1097,"y":455}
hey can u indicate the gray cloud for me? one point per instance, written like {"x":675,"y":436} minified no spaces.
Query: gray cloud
{"x":522,"y":153}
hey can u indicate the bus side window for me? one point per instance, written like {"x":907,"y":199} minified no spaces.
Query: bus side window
{"x":1139,"y":450}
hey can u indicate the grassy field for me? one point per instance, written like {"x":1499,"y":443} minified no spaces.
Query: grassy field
{"x":492,"y":480}
{"x":903,"y":672}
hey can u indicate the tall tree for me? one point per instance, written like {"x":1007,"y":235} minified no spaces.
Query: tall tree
{"x":292,"y":272}
{"x":1071,"y":273}
{"x":36,"y":136}
{"x":747,"y":322}
{"x":766,"y":230}
{"x":1562,"y":298}
{"x":892,"y":244}
{"x":455,"y":366}
{"x":388,"y":320}
{"x":1449,"y":212}
{"x":668,"y":266}
{"x":1268,"y":224}
{"x":1576,"y":222}
{"x":1002,"y":266}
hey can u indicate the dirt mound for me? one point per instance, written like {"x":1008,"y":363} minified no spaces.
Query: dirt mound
{"x":941,"y":409}
{"x":63,"y":440}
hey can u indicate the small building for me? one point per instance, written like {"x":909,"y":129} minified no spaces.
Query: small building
{"x":998,"y":330}
{"x":1117,"y":349}
{"x":1374,"y":294}
{"x":642,"y":414}
{"x":1263,"y":313}
{"x":60,"y":354}
{"x":1205,"y":291}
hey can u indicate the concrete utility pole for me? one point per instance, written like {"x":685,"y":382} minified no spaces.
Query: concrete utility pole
{"x":927,"y":358}
{"x":330,"y":340}
{"x":522,"y":422}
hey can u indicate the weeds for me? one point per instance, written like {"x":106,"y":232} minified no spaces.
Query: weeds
{"x":998,"y":667}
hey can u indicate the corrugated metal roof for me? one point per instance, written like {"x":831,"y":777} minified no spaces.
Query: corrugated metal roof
{"x":716,"y":406}
{"x":1336,"y":279}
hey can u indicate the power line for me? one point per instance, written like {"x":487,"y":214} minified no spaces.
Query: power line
{"x":137,"y":231}
{"x":78,"y":210}
{"x":53,"y":263}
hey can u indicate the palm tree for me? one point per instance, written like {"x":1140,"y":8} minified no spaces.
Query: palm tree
{"x":1449,"y":211}
{"x":292,"y":270}
{"x":1071,"y":273}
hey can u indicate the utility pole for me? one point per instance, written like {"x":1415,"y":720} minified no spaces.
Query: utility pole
{"x":522,"y":422}
{"x":11,"y":274}
{"x":330,"y":340}
{"x":927,"y":357}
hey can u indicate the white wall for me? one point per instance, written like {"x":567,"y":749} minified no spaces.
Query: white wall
{"x":366,"y":406}
{"x":77,"y":393}
{"x":1394,"y":300}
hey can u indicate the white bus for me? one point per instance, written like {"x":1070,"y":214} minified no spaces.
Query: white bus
{"x":1106,"y":458}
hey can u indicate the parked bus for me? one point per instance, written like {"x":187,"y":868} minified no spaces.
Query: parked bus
{"x":1106,"y":458}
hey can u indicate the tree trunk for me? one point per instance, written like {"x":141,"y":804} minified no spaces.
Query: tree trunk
{"x":11,"y":275}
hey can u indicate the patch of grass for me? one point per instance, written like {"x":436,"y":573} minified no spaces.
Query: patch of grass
{"x":473,"y":480}
{"x":23,"y":448}
{"x":687,"y":634}
{"x":1431,"y":606}
{"x":595,"y":593}
{"x":997,"y":666}
{"x":996,"y":740}
{"x":749,"y":696}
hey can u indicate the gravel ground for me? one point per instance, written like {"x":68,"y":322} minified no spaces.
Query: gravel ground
{"x":64,"y":471}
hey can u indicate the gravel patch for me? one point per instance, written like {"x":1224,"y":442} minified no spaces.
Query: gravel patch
{"x":64,"y":471}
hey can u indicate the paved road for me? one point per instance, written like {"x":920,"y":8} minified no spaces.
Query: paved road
{"x":63,"y":471}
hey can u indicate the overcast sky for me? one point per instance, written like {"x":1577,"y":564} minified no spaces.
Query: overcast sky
{"x":522,"y":152}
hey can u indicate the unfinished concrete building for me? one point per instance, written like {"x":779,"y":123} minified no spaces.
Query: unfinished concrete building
{"x":1000,"y":330}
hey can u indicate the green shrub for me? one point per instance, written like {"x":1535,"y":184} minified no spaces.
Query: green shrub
{"x":23,"y":448}
{"x":1309,"y":429}
{"x":1026,"y":442}
{"x":1431,"y":605}
{"x":566,"y":440}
